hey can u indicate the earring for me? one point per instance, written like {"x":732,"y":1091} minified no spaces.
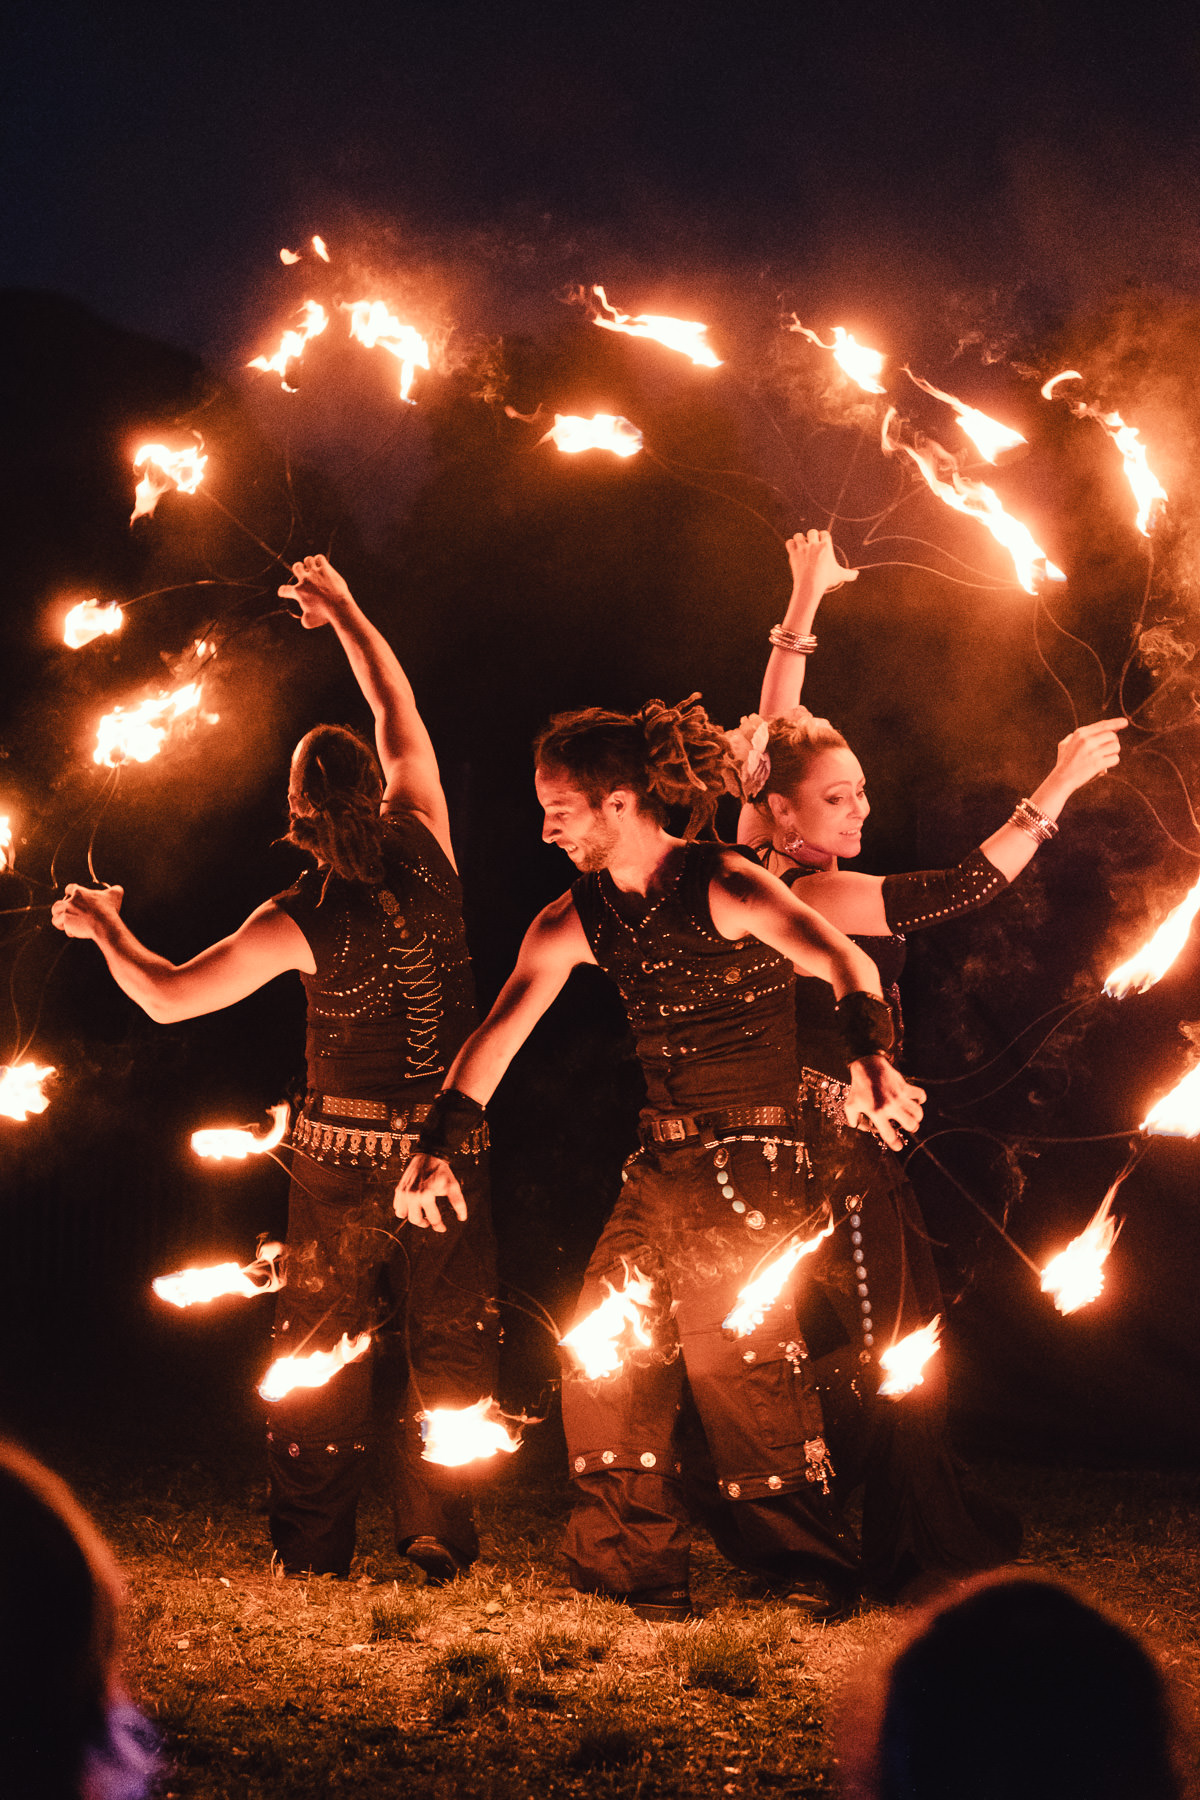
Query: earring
{"x":793,"y":843}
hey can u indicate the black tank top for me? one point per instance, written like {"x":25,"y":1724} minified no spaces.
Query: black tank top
{"x":819,"y":1042}
{"x":712,"y":1017}
{"x":393,"y":997}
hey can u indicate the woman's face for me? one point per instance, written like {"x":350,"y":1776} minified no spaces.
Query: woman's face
{"x":827,"y":808}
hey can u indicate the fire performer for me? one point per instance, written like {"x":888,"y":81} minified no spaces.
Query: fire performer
{"x":376,"y":933}
{"x":700,"y":942}
{"x":807,"y":804}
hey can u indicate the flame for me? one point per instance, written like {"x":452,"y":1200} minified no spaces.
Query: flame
{"x":759,"y":1295}
{"x":288,"y":257}
{"x":905,"y":1361}
{"x":6,"y":842}
{"x":684,"y":335}
{"x":89,"y":620}
{"x":371,"y":323}
{"x":166,"y":469}
{"x":1147,"y":489}
{"x":292,"y":344}
{"x":1048,"y":387}
{"x":21,"y":1090}
{"x":978,"y":502}
{"x":1154,"y":958}
{"x":238,"y":1144}
{"x":1076,"y":1275}
{"x":192,"y":1286}
{"x":140,"y":733}
{"x":318,"y":245}
{"x":989,"y":437}
{"x":454,"y":1435}
{"x":314,"y":1369}
{"x":1177,"y":1114}
{"x":605,"y":431}
{"x":861,"y":364}
{"x":597,"y":1340}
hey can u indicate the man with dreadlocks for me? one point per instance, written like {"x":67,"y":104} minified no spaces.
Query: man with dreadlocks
{"x":702,"y":945}
{"x":376,"y":933}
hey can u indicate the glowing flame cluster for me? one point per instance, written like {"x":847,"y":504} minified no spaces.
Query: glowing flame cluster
{"x":313,"y":1370}
{"x":454,"y":1435}
{"x":6,"y":842}
{"x":139,"y":733}
{"x":21,"y":1090}
{"x":604,"y":431}
{"x":1153,"y":960}
{"x":373,"y":324}
{"x":1075,"y":1276}
{"x":600,"y":1341}
{"x":977,"y":501}
{"x":759,"y":1295}
{"x":165,"y":469}
{"x":1147,"y":489}
{"x":288,"y":257}
{"x":314,"y":320}
{"x":1177,"y":1114}
{"x":89,"y":621}
{"x":191,"y":1287}
{"x":684,"y":335}
{"x":905,"y":1362}
{"x":860,"y":363}
{"x":989,"y":437}
{"x":237,"y":1144}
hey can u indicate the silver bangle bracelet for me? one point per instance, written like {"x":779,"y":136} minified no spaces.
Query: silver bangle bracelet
{"x":1034,"y":822}
{"x":798,"y":642}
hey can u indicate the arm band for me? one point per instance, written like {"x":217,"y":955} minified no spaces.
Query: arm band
{"x":866,"y":1025}
{"x":453,"y":1120}
{"x":914,"y":902}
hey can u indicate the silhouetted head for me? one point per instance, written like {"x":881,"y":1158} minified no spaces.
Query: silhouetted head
{"x":334,"y":794}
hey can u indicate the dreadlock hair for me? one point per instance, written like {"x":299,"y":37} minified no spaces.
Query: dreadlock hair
{"x":793,"y":746}
{"x":337,"y":780}
{"x":668,"y":756}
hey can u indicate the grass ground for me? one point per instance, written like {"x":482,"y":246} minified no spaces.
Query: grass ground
{"x":490,"y":1687}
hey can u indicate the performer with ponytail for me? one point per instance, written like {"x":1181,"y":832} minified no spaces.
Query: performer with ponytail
{"x":375,"y":931}
{"x":701,"y":944}
{"x":806,"y":803}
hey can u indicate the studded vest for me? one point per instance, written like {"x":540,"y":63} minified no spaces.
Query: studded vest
{"x":712,"y":1018}
{"x":393,"y":997}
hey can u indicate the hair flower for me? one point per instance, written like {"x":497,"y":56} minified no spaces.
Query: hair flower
{"x":748,"y":751}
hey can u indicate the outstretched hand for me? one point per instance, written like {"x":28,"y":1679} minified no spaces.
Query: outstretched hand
{"x":814,"y":564}
{"x":82,"y":912}
{"x":318,"y":590}
{"x":879,"y":1092}
{"x":1089,"y":751}
{"x":425,"y":1182}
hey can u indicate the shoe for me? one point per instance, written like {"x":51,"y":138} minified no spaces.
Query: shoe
{"x":661,"y":1605}
{"x":815,"y":1601}
{"x":438,"y":1561}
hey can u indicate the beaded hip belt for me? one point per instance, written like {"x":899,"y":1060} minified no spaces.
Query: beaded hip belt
{"x":828,"y":1095}
{"x":373,"y":1133}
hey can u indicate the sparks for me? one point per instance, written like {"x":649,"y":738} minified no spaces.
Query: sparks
{"x":314,"y":320}
{"x":1177,"y":1114}
{"x":6,"y":843}
{"x":314,"y":1369}
{"x":89,"y":620}
{"x":604,"y":431}
{"x":139,"y":734}
{"x":1075,"y":1276}
{"x":758,"y":1296}
{"x":21,"y":1091}
{"x":977,"y":501}
{"x":166,"y":469}
{"x":905,"y":1362}
{"x":618,"y":1324}
{"x":989,"y":437}
{"x":862,"y":365}
{"x":684,"y":335}
{"x":288,"y":257}
{"x":371,"y":323}
{"x":1153,"y":960}
{"x":238,"y":1144}
{"x":191,"y":1287}
{"x":454,"y":1435}
{"x":318,"y":245}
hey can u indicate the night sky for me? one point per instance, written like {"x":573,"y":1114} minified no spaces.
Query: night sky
{"x":991,"y":194}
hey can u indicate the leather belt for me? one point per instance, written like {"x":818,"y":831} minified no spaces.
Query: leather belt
{"x":737,"y":1118}
{"x":374,"y":1132}
{"x":365,"y":1112}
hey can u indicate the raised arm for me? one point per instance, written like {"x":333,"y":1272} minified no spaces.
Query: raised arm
{"x":1082,"y":755}
{"x":410,"y":769}
{"x":554,"y":945}
{"x":815,"y":571}
{"x":269,"y":943}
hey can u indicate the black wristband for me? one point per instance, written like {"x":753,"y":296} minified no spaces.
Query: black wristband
{"x":866,"y":1025}
{"x":451,"y":1124}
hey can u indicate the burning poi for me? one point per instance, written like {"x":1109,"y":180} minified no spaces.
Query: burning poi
{"x":21,"y":1090}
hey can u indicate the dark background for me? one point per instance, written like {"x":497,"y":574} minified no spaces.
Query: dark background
{"x":990,"y":197}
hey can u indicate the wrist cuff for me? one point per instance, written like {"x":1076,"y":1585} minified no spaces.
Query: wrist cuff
{"x":866,"y":1025}
{"x":451,"y":1125}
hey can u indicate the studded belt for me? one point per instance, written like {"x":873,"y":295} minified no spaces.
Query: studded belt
{"x":706,"y":1125}
{"x":373,"y":1134}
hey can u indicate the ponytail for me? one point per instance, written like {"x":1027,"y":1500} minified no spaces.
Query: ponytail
{"x":335,"y":794}
{"x":668,"y":756}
